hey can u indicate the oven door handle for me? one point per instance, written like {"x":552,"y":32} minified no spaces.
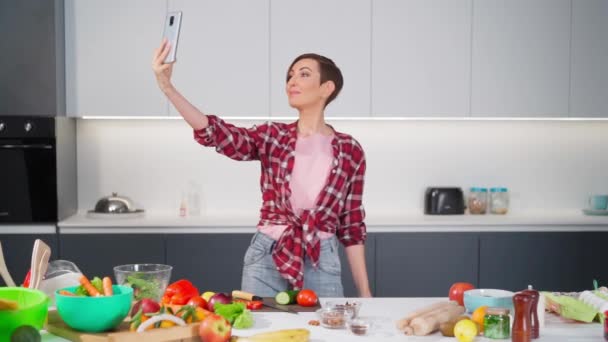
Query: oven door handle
{"x":26,"y":146}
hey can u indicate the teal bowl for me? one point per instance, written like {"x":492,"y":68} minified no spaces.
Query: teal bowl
{"x":489,"y":297}
{"x":94,"y":314}
{"x":32,"y":310}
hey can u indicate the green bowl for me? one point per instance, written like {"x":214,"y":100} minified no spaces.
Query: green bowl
{"x":32,"y":310}
{"x":94,"y":314}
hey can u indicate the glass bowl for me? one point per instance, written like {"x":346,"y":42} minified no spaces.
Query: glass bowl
{"x":332,"y":318}
{"x":350,"y":307}
{"x":359,"y":326}
{"x":147,"y":280}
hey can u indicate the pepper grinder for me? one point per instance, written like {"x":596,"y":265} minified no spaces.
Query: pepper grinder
{"x":534,"y":319}
{"x":522,"y":330}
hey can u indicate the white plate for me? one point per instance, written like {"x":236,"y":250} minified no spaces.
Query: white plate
{"x":595,"y":212}
{"x":137,"y":213}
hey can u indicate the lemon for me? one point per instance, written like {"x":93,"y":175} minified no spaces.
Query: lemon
{"x":465,"y":330}
{"x":207,"y":295}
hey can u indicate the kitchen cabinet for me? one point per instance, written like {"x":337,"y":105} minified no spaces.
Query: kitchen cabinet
{"x":521,"y":58}
{"x":32,"y":76}
{"x":593,"y":260}
{"x":222,"y":60}
{"x":97,"y":254}
{"x":213,"y":262}
{"x":421,"y":58}
{"x":341,"y":32}
{"x":350,"y":290}
{"x":546,"y":260}
{"x":108,"y":51}
{"x":589,"y":80}
{"x":17,"y":250}
{"x":424,"y":264}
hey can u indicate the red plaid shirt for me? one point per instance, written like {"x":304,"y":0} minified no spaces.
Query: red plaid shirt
{"x":338,"y":208}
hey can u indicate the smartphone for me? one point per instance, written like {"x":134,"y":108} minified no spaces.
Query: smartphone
{"x":173,"y":22}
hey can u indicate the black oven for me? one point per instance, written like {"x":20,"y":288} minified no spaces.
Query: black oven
{"x":28,"y":170}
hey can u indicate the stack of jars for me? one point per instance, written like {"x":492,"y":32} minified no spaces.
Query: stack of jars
{"x":497,"y":203}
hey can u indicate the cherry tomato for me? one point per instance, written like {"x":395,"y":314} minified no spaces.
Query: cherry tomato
{"x":307,"y":298}
{"x":198,"y":301}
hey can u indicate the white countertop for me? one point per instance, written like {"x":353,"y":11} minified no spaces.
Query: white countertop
{"x":153,"y":222}
{"x":385,"y":312}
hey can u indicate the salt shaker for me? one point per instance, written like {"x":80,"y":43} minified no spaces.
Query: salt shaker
{"x":522,"y":330}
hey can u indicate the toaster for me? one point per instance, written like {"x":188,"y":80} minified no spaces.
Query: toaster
{"x":444,"y":201}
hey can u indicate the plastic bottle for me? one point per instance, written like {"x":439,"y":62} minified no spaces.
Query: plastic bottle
{"x":194,"y":198}
{"x":534,"y":320}
{"x":521,"y":331}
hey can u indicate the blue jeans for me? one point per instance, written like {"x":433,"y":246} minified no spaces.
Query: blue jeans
{"x":261,"y":277}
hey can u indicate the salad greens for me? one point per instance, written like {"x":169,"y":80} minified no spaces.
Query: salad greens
{"x":96,"y":282}
{"x":236,"y":313}
{"x":142,"y":287}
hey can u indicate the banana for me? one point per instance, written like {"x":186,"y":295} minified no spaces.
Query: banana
{"x":287,"y":335}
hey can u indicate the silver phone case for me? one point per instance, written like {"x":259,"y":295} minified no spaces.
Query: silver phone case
{"x":171,"y":33}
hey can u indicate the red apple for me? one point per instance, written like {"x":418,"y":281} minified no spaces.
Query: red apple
{"x":457,"y":291}
{"x":214,"y":328}
{"x":147,"y":306}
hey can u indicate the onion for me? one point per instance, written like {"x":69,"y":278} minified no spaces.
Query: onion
{"x":159,"y":318}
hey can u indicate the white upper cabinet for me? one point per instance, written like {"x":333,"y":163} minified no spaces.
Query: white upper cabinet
{"x":589,"y":85}
{"x":521,"y":58}
{"x":109,"y":46}
{"x":222,"y":56}
{"x":421,"y":58}
{"x":337,"y":29}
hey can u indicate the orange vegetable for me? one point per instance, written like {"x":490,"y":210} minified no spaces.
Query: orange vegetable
{"x":107,"y":286}
{"x":84,"y":281}
{"x":66,"y":293}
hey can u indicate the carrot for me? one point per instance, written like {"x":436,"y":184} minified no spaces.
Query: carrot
{"x":66,"y":293}
{"x":84,"y":281}
{"x":107,"y":286}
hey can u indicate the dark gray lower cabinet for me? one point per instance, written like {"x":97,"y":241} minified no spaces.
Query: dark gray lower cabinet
{"x":424,"y":264}
{"x":593,"y":264}
{"x":17,"y":249}
{"x":546,"y":260}
{"x":97,"y":254}
{"x":350,"y":290}
{"x":213,"y":262}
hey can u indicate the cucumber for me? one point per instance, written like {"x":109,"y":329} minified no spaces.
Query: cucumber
{"x":286,"y":297}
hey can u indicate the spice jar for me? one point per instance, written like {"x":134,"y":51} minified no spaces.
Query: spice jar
{"x":499,"y":200}
{"x":496,"y":323}
{"x":478,"y":201}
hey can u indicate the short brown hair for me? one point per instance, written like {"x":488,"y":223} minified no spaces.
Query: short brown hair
{"x":328,"y":70}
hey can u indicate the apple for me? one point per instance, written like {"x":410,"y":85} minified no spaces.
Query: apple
{"x":214,"y":328}
{"x":147,"y":305}
{"x":219,"y":297}
{"x":457,"y":291}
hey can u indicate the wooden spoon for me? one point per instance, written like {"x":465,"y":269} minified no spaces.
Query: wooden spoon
{"x":40,"y":263}
{"x":8,"y":280}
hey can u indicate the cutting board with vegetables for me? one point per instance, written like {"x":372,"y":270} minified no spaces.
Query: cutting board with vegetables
{"x":187,"y":333}
{"x":294,"y":307}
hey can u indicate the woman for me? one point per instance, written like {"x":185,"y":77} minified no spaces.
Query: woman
{"x":312,"y":183}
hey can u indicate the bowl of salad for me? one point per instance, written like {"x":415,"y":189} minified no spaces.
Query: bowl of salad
{"x":146,"y":280}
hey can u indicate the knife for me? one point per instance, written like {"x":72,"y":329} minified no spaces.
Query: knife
{"x":251,"y":296}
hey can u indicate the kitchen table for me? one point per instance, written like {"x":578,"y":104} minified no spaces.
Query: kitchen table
{"x":385,"y":312}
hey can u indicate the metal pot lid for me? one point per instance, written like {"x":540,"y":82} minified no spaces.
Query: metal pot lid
{"x":114,"y":204}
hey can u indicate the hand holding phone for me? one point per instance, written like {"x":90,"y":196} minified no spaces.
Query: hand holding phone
{"x":173,"y":23}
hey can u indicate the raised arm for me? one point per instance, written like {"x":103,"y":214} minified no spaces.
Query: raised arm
{"x":194,"y":117}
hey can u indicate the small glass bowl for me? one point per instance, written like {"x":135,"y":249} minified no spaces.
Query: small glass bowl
{"x":359,"y":326}
{"x":350,"y":307}
{"x":332,"y":318}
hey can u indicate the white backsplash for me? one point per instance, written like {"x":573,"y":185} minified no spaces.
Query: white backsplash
{"x":546,"y":165}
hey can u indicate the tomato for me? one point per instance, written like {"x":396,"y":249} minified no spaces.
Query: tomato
{"x":457,"y":291}
{"x":307,"y":298}
{"x":255,"y":305}
{"x":198,"y":302}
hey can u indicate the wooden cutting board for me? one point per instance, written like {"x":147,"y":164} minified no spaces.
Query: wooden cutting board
{"x":57,"y":327}
{"x":293,"y":307}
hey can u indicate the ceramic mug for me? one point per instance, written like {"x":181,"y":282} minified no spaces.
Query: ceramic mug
{"x":598,"y":202}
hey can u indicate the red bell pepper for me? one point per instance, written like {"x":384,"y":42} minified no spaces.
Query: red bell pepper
{"x":180,"y":292}
{"x":26,"y":281}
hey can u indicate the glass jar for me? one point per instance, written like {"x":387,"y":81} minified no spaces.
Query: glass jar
{"x":497,"y":323}
{"x":499,"y":201}
{"x":478,"y":201}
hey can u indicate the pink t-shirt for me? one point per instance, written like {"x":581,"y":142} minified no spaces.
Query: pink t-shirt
{"x":312,"y":165}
